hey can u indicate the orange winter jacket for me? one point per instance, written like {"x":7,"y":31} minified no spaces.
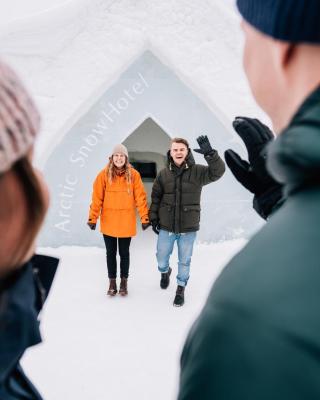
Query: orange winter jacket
{"x":116,"y":204}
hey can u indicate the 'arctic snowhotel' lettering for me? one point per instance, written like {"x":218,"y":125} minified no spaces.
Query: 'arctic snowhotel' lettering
{"x":65,"y":203}
{"x":109,"y":113}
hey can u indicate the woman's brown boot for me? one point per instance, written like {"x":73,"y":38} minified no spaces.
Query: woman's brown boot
{"x":123,"y":287}
{"x":112,"y":287}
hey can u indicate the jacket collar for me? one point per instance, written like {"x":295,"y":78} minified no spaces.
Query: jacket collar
{"x":294,"y":157}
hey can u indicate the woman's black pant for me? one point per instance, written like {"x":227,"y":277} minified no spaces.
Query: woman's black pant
{"x":111,"y":248}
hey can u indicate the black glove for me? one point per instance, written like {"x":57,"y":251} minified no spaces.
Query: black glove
{"x":205,"y":146}
{"x":145,"y":225}
{"x":155,"y":227}
{"x":91,"y":225}
{"x":254,"y":175}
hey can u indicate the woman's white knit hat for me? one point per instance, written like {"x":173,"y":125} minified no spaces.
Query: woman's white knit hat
{"x":120,"y":148}
{"x":19,"y":119}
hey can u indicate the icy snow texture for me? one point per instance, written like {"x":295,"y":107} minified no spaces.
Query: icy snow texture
{"x":69,"y":53}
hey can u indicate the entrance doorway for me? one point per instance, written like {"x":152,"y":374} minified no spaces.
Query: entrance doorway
{"x":147,"y":146}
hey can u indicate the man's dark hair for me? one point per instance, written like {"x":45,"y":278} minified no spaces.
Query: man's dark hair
{"x":180,"y":140}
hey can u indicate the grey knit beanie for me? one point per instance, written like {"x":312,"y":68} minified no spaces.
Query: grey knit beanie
{"x":288,"y":20}
{"x":19,"y":119}
{"x":120,"y":148}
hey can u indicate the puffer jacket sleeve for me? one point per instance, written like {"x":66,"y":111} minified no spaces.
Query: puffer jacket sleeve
{"x":214,"y":170}
{"x":140,"y":197}
{"x":99,"y":187}
{"x":156,"y":196}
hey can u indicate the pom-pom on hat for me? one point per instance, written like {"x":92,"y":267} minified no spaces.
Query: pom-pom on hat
{"x":19,"y":119}
{"x":296,"y":21}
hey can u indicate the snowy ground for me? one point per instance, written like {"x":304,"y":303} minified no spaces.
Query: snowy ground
{"x":96,"y":347}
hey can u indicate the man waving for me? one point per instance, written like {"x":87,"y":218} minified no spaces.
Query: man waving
{"x":175,"y":207}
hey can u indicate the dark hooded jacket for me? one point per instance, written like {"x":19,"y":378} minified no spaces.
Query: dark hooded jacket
{"x":22,"y":295}
{"x":176,"y":192}
{"x":258,"y":336}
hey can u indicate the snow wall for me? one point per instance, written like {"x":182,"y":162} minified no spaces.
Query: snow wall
{"x":143,"y":109}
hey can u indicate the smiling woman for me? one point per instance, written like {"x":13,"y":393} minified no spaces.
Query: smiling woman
{"x":117,"y":192}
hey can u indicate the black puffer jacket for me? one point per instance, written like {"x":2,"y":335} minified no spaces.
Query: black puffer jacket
{"x":176,"y":192}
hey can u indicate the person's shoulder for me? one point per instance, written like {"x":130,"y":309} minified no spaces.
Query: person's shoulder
{"x":197,"y":166}
{"x":102,"y":173}
{"x":163,"y":170}
{"x":164,"y":174}
{"x":134,"y":172}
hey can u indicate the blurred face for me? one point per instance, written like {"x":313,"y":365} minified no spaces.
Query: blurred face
{"x":119,"y":159}
{"x":16,"y":230}
{"x":44,"y":190}
{"x":12,"y":219}
{"x":260,"y":67}
{"x":178,"y":152}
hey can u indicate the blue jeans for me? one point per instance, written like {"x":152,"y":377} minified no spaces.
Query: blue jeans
{"x":165,"y":245}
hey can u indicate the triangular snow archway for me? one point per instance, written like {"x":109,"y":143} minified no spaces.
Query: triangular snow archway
{"x":147,"y":146}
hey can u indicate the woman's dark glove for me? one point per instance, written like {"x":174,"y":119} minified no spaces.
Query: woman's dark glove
{"x":253,"y":175}
{"x":145,"y":225}
{"x":91,"y":225}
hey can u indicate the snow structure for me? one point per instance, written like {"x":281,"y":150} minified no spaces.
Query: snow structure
{"x":140,"y":73}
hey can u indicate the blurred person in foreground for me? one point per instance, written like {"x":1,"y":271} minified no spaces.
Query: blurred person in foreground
{"x":258,"y":334}
{"x":25,"y":278}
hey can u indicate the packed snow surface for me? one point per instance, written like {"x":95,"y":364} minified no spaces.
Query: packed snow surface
{"x":96,"y":347}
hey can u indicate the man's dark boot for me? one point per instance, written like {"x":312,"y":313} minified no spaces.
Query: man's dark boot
{"x":179,"y":299}
{"x":165,"y":279}
{"x":112,"y":291}
{"x":123,"y":287}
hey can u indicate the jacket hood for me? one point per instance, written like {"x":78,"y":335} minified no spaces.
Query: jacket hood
{"x":188,"y":161}
{"x":294,"y":157}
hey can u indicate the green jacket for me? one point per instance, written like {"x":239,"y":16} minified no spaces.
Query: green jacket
{"x":258,"y":336}
{"x":176,"y":192}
